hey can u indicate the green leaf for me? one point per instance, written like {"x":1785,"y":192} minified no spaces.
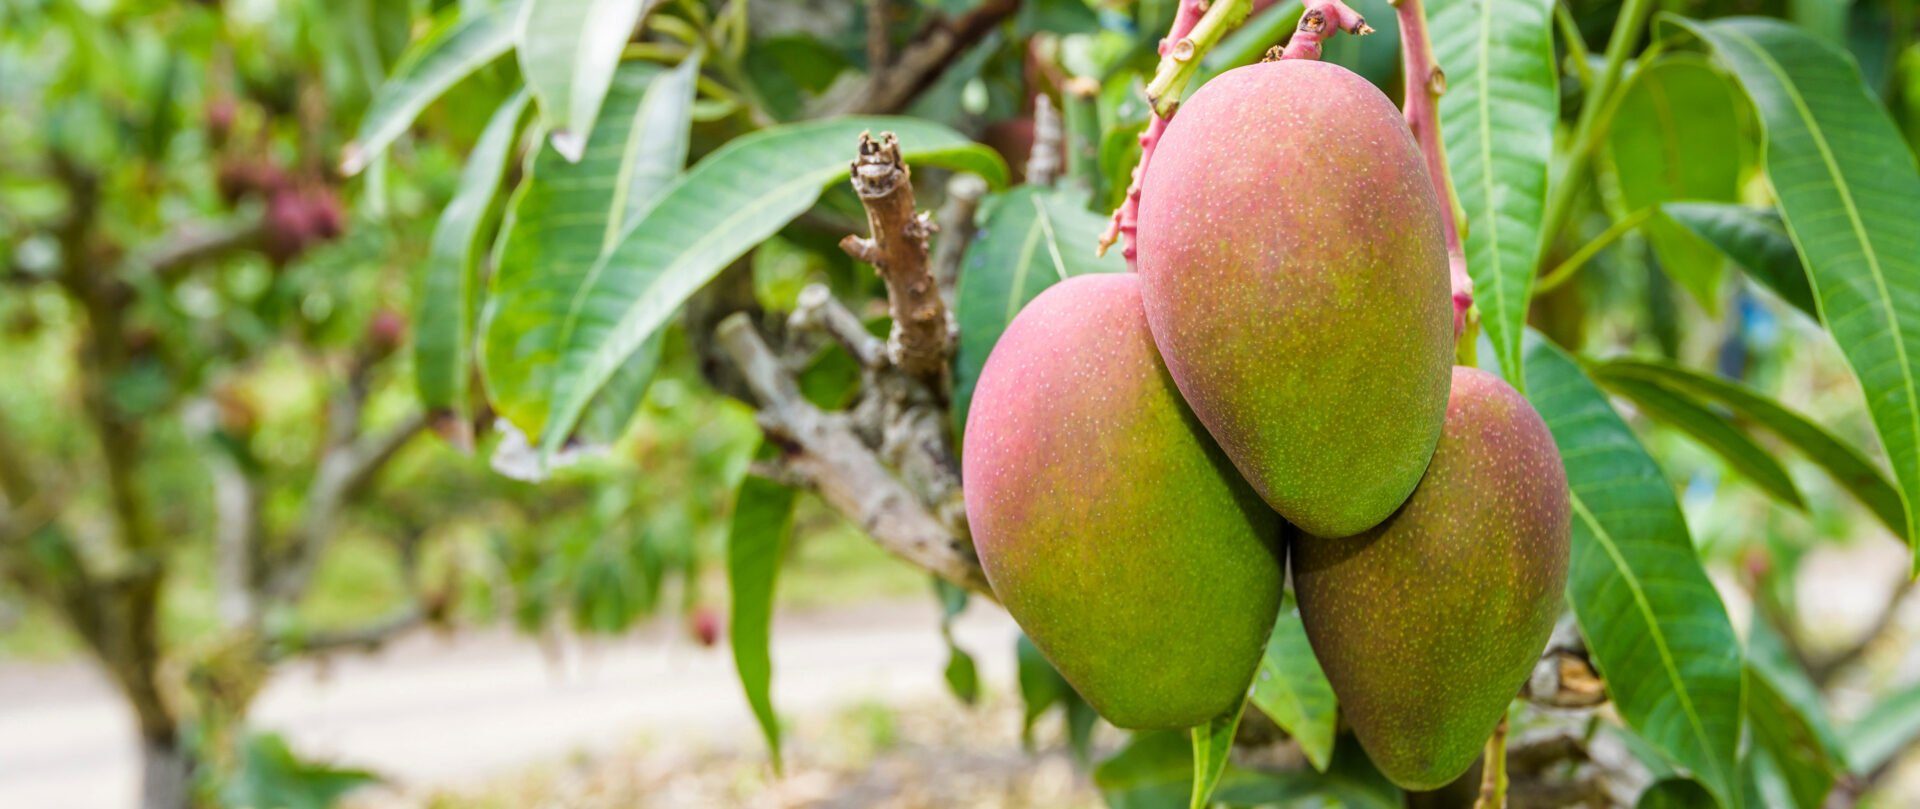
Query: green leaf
{"x":564,"y":217}
{"x":1886,"y":730}
{"x":1155,"y":771}
{"x":963,"y":677}
{"x":1293,"y":691}
{"x":1848,"y":466}
{"x":1755,"y":239}
{"x":1030,"y":239}
{"x":1848,"y":188}
{"x":568,"y":51}
{"x":737,"y":196}
{"x":1497,"y":118}
{"x":1212,"y":742}
{"x":1675,"y":135}
{"x":448,"y":293}
{"x":456,"y":46}
{"x":1712,"y":431}
{"x":762,"y":519}
{"x":1789,"y":721}
{"x":1674,"y":793}
{"x":271,"y":774}
{"x":1656,"y":628}
{"x":1040,"y":685}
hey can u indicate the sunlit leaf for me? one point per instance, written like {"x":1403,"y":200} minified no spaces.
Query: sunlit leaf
{"x":1675,"y":135}
{"x":1293,"y":691}
{"x":457,"y":46}
{"x":1848,"y":187}
{"x":1030,"y":239}
{"x":568,"y":50}
{"x":737,"y":196}
{"x":1497,"y":118}
{"x":762,"y":519}
{"x":1212,"y":743}
{"x":448,"y":291}
{"x":564,"y":217}
{"x":1848,"y":466}
{"x":1654,"y":624}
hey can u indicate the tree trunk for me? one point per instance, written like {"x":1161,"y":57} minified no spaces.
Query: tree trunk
{"x":166,"y":777}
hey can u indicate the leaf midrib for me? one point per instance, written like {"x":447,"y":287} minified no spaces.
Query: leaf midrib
{"x":1868,"y":250}
{"x":1670,"y":668}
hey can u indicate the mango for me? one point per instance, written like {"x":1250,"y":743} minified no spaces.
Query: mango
{"x":1110,"y":526}
{"x":1294,"y":272}
{"x":1428,"y":624}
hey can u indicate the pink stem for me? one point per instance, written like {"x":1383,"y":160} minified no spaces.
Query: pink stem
{"x":1425,"y":82}
{"x":1126,"y":218}
{"x":1313,"y":28}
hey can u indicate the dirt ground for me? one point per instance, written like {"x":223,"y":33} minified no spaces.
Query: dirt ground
{"x":926,"y":755}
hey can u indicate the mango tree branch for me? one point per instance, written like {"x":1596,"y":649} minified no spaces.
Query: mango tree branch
{"x":1425,"y":82}
{"x":1180,"y":55}
{"x":823,"y":450}
{"x":897,"y":248}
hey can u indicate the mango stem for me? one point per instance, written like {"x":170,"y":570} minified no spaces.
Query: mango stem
{"x":1493,"y":778}
{"x":1425,"y":82}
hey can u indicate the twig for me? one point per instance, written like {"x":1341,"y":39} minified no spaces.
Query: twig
{"x":933,"y":49}
{"x":1493,"y":777}
{"x":1317,"y":23}
{"x":1425,"y":83}
{"x":368,"y":638}
{"x":1175,"y":50}
{"x":898,"y":249}
{"x":817,"y":310}
{"x":823,"y":449}
{"x":964,"y":192}
{"x":1043,"y":161}
{"x":194,"y":245}
{"x":879,"y":45}
{"x":342,"y":472}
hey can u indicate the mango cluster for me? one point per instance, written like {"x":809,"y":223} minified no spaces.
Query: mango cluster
{"x":1144,"y":451}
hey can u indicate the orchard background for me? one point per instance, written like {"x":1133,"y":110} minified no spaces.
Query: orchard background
{"x":348,"y":331}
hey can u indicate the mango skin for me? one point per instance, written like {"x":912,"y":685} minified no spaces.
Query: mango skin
{"x":1110,"y":526}
{"x":1295,"y":274}
{"x":1428,"y":624}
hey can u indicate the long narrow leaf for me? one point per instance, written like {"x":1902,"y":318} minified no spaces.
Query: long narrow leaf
{"x":1292,"y":690}
{"x":735,"y":198}
{"x":1848,"y":187}
{"x":453,"y":50}
{"x":558,"y":225}
{"x":568,"y":50}
{"x":443,"y":318}
{"x":1675,"y":135}
{"x":762,"y":519}
{"x":1848,"y":466}
{"x":1713,"y":432}
{"x":1497,"y":119}
{"x":1030,"y":239}
{"x":1657,"y":629}
{"x":1753,"y":238}
{"x":1211,"y":744}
